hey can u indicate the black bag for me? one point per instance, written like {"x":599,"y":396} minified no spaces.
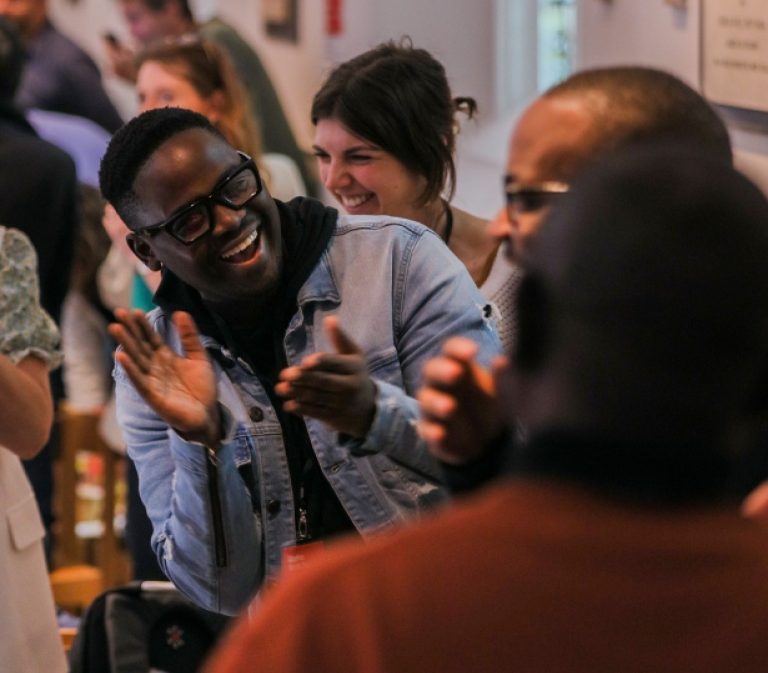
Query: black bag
{"x":144,"y":626}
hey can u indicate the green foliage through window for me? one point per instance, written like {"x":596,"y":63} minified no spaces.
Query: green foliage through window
{"x":556,"y":39}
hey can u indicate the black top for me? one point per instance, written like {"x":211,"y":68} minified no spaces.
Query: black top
{"x":38,"y":195}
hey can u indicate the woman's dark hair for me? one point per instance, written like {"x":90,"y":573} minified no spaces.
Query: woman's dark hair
{"x":398,"y":97}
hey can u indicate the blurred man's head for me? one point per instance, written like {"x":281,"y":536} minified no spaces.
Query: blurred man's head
{"x":643,"y":316}
{"x":29,"y":16}
{"x":152,"y":20}
{"x":587,"y":114}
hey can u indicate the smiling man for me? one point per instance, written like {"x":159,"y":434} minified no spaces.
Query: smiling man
{"x":256,"y":423}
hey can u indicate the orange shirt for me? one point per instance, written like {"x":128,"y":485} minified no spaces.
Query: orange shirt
{"x":528,"y":577}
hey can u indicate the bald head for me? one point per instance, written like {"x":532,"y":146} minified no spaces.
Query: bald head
{"x":633,"y":104}
{"x":593,"y":112}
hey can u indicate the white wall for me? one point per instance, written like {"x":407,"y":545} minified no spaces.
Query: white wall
{"x":653,"y":33}
{"x":459,"y":32}
{"x":647,"y":32}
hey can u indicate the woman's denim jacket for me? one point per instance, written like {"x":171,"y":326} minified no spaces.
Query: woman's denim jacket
{"x":220,"y":521}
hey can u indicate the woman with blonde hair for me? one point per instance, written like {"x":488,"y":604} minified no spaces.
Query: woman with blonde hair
{"x":191,"y":73}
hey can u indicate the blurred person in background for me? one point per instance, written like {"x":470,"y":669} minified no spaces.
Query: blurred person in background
{"x":196,"y":74}
{"x":38,"y":195}
{"x":58,"y":75}
{"x":151,"y":21}
{"x":28,"y":350}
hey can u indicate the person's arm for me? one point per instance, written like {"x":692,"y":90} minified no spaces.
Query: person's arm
{"x":87,"y":386}
{"x":28,"y":349}
{"x":120,"y":59}
{"x":26,"y":394}
{"x":440,"y":301}
{"x":207,"y":539}
{"x":437,"y":299}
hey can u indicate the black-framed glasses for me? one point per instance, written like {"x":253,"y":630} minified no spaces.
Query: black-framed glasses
{"x":197,"y":218}
{"x":531,"y":198}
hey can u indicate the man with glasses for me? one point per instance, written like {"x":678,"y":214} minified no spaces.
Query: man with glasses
{"x":465,"y":419}
{"x":257,"y":424}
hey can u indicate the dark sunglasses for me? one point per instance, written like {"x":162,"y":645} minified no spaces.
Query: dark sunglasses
{"x":197,"y":218}
{"x":531,"y":198}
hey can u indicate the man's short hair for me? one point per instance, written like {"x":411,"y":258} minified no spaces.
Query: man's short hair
{"x":131,"y":147}
{"x":633,"y":103}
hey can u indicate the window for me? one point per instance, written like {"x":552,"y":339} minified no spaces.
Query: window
{"x":556,"y":33}
{"x":535,"y":48}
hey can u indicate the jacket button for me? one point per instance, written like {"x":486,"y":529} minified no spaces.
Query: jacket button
{"x":273,"y":506}
{"x":256,"y":414}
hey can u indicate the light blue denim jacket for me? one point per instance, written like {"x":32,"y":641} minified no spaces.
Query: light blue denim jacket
{"x":399,"y":293}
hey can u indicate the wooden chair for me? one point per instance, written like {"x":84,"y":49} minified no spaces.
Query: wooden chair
{"x":74,"y":588}
{"x":101,"y":549}
{"x":67,"y":634}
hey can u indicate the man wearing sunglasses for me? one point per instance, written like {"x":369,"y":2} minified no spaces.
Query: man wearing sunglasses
{"x":465,"y":418}
{"x":256,"y":423}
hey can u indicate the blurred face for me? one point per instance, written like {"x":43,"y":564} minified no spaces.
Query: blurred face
{"x":239,"y":259}
{"x":146,"y":25}
{"x":550,"y":142}
{"x":27,"y":15}
{"x":362,"y":177}
{"x":159,"y":85}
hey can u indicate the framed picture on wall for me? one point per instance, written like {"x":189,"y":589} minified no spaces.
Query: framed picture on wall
{"x":281,"y":19}
{"x":734,"y":53}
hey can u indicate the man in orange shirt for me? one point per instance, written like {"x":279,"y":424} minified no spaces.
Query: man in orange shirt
{"x":640,"y":362}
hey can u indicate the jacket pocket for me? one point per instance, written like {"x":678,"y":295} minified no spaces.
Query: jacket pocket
{"x":24,"y":523}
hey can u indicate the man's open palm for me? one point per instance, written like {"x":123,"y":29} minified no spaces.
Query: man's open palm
{"x":180,"y":388}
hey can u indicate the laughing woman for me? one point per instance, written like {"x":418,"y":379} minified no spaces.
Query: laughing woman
{"x":385,"y":136}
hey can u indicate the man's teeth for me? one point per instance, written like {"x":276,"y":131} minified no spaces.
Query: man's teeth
{"x":355,"y":201}
{"x":242,"y":246}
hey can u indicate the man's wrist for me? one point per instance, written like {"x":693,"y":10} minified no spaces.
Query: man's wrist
{"x":485,"y":467}
{"x":213,"y":434}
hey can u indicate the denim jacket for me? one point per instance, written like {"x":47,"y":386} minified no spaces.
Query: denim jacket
{"x":399,"y":293}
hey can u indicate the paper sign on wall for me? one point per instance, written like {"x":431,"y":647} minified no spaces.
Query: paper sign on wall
{"x":734,"y":52}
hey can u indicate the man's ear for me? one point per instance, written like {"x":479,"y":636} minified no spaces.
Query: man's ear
{"x":534,"y":324}
{"x":143,"y":250}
